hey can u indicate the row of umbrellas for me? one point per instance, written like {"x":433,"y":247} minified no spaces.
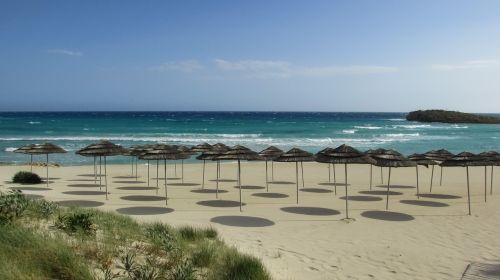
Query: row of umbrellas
{"x":343,"y":155}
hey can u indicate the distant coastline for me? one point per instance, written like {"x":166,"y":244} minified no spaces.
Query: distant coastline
{"x":444,"y":116}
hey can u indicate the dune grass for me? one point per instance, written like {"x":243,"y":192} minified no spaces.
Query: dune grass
{"x":39,"y":240}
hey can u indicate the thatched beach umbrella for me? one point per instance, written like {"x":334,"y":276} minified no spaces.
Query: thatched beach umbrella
{"x":239,"y":153}
{"x":134,"y":152}
{"x":465,"y":159}
{"x":25,"y":150}
{"x":46,"y":149}
{"x":422,"y":160}
{"x":391,"y":159}
{"x":327,"y":151}
{"x":344,"y":155}
{"x":103,"y":149}
{"x":439,"y":156}
{"x":204,"y":147}
{"x":213,"y":155}
{"x":82,"y":152}
{"x":162,"y":152}
{"x":185,"y":153}
{"x":379,"y":151}
{"x":270,"y":154}
{"x":296,"y":155}
{"x":493,"y":159}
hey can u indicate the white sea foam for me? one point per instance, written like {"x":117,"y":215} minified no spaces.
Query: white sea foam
{"x":34,"y":122}
{"x":396,"y":120}
{"x":10,"y":149}
{"x":349,"y":131}
{"x":412,"y":126}
{"x":368,"y":127}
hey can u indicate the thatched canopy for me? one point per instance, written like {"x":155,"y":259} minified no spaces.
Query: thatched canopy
{"x":221,"y":146}
{"x":201,"y":148}
{"x":392,"y":158}
{"x":239,"y":153}
{"x":271,"y":153}
{"x":213,"y":154}
{"x":466,"y":159}
{"x":492,"y":157}
{"x":161,"y":152}
{"x":24,"y":149}
{"x":343,"y":154}
{"x":45,"y":148}
{"x":102,"y":148}
{"x":379,"y":151}
{"x":439,"y":155}
{"x":296,"y":155}
{"x":421,"y":159}
{"x":185,"y":150}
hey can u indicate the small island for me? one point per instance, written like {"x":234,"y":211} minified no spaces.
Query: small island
{"x":444,"y":116}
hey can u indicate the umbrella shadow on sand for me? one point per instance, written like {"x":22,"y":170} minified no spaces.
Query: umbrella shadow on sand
{"x":281,"y":182}
{"x":425,"y":203}
{"x":439,"y":196}
{"x":208,"y":191}
{"x":136,"y":188}
{"x":142,"y":198}
{"x":270,"y":195}
{"x":248,"y":187}
{"x":312,"y":211}
{"x":387,"y":216}
{"x":84,"y":193}
{"x":380,"y":192}
{"x":144,"y":210}
{"x":242,"y":221}
{"x":396,"y":187}
{"x":22,"y":188}
{"x":315,"y":190}
{"x":83,"y":185}
{"x":219,"y":203}
{"x":366,"y":198}
{"x":79,"y":203}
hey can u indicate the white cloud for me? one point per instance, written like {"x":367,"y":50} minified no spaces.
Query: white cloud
{"x":65,"y":52}
{"x":284,"y":69}
{"x":186,"y":66}
{"x":470,"y":64}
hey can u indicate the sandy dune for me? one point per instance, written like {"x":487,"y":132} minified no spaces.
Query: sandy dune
{"x":427,"y":238}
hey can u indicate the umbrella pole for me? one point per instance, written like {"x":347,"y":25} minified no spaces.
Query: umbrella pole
{"x":267,"y":181}
{"x":272,"y":170}
{"x":371,"y":176}
{"x":297,"y":179}
{"x":381,"y":175}
{"x":346,"y":195}
{"x":182,"y":171}
{"x":95,"y":174}
{"x":132,"y":166}
{"x":148,"y":172}
{"x":175,"y":168}
{"x":432,"y":177}
{"x":418,"y":193}
{"x":203,"y":176}
{"x":217,"y":181}
{"x":388,"y":188}
{"x":106,"y":177}
{"x":329,"y":173}
{"x":302,"y":169}
{"x":239,"y":181}
{"x":157,"y":179}
{"x":31,"y":163}
{"x":441,"y":177}
{"x":100,"y":171}
{"x":166,"y":190}
{"x":334,"y":178}
{"x":491,"y":185}
{"x":47,"y":177}
{"x":136,"y":174}
{"x":468,"y":189}
{"x":485,"y":181}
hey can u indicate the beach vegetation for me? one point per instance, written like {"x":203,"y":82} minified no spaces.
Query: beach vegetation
{"x":27,"y":178}
{"x":39,"y":240}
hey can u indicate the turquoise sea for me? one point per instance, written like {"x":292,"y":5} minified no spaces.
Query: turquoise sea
{"x":312,"y":131}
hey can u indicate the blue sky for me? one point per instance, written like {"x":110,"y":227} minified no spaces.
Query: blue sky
{"x":250,"y":55}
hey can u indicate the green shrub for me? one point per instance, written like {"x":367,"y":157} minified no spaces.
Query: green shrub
{"x":24,"y":177}
{"x":236,"y":266}
{"x":76,"y":222}
{"x":12,"y":206}
{"x":191,"y":233}
{"x":184,"y":271}
{"x":42,"y":208}
{"x":204,"y":255}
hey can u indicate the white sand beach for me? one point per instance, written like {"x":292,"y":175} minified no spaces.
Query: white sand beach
{"x":427,"y":238}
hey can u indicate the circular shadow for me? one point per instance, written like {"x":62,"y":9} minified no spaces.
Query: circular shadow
{"x":33,"y":196}
{"x":315,"y":190}
{"x":144,"y":210}
{"x":242,"y":221}
{"x":380,"y":192}
{"x":362,"y":198}
{"x":219,"y":203}
{"x":208,"y":191}
{"x":313,"y":211}
{"x":142,"y":198}
{"x":396,"y":187}
{"x":439,"y":196}
{"x":136,"y":188}
{"x":80,"y":203}
{"x":270,"y":195}
{"x":173,"y":178}
{"x":30,"y":189}
{"x":424,"y":203}
{"x":247,"y":187}
{"x":387,"y":216}
{"x":83,"y":185}
{"x":124,"y":177}
{"x":50,"y":178}
{"x":90,"y":175}
{"x":333,"y":184}
{"x":82,"y":180}
{"x":184,"y":184}
{"x":129,"y":182}
{"x":224,"y":180}
{"x":84,"y":193}
{"x":281,"y":182}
